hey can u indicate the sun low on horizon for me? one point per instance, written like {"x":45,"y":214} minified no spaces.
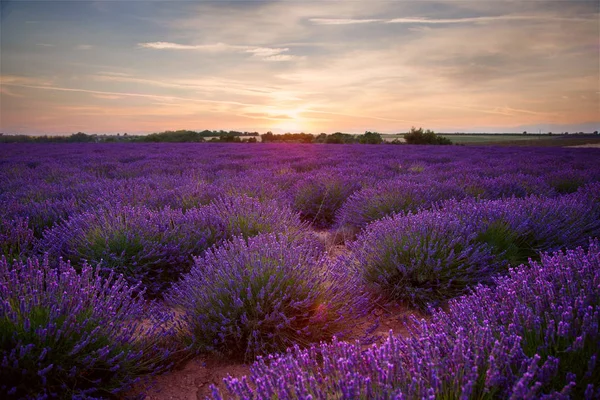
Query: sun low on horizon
{"x":293,"y":66}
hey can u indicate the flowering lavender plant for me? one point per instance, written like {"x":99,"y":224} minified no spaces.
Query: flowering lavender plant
{"x":517,"y":229}
{"x":246,"y":216}
{"x":152,"y":246}
{"x":16,"y":238}
{"x":388,"y":197}
{"x":263,"y":295}
{"x":421,"y":258}
{"x":75,"y":335}
{"x":534,"y":335}
{"x":318,"y":196}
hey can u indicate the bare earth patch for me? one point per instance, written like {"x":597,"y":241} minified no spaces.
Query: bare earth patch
{"x":193,"y":380}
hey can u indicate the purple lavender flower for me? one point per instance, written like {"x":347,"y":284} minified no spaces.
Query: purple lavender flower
{"x":500,"y":342}
{"x":253,"y":297}
{"x":64,"y":333}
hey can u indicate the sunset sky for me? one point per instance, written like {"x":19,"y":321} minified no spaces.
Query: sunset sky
{"x":313,"y":66}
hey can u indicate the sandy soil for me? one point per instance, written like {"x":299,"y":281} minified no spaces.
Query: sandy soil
{"x":193,"y":380}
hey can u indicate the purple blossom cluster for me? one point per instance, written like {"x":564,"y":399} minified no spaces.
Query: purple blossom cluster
{"x":230,"y":225}
{"x":393,"y":196}
{"x":264,"y":294}
{"x":535,"y":334}
{"x":319,"y":195}
{"x":68,"y":334}
{"x":157,"y":246}
{"x":428,"y":257}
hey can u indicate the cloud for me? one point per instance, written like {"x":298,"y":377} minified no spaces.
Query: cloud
{"x":84,"y":47}
{"x":44,"y":44}
{"x":342,"y":21}
{"x":259,"y":115}
{"x":106,"y":96}
{"x":16,"y":80}
{"x":6,"y":91}
{"x":481,"y":19}
{"x":282,"y":57}
{"x":265,"y":53}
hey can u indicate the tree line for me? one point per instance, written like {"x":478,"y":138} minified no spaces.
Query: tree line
{"x":414,"y":136}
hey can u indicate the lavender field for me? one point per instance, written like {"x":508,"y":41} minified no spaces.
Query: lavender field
{"x":123,"y":261}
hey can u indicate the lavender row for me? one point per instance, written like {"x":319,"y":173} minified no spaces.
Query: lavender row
{"x":157,"y":246}
{"x":69,"y":334}
{"x":44,"y":185}
{"x":426,"y":258}
{"x":534,"y":335}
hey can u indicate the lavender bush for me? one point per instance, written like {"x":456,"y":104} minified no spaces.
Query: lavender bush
{"x":157,"y":246}
{"x":389,"y":197}
{"x":262,"y":295}
{"x":422,"y":258}
{"x":534,"y":335}
{"x":517,"y":229}
{"x":435,"y":255}
{"x":318,"y":197}
{"x":16,"y":238}
{"x":65,"y":334}
{"x":152,"y":246}
{"x":246,"y":216}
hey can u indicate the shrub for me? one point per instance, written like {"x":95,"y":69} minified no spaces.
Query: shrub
{"x":262,"y":295}
{"x":75,"y":335}
{"x":535,"y":335}
{"x":157,"y":246}
{"x":152,"y":246}
{"x":418,"y":136}
{"x":389,"y":197}
{"x":16,"y":238}
{"x":319,"y":196}
{"x":503,"y":186}
{"x":246,"y":216}
{"x":517,"y":229}
{"x":422,"y":258}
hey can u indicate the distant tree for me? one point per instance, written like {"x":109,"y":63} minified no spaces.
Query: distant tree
{"x":80,"y":137}
{"x":370,"y":138}
{"x":321,"y":138}
{"x":267,"y":137}
{"x":595,"y":132}
{"x":418,"y":136}
{"x":524,"y":132}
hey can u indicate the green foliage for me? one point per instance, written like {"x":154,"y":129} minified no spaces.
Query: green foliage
{"x":505,"y":242}
{"x":418,"y":136}
{"x":287,"y":138}
{"x":370,"y":138}
{"x":174,"y":136}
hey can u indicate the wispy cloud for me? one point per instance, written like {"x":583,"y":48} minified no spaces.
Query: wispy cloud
{"x":16,"y":80}
{"x":500,"y":18}
{"x":265,"y":53}
{"x":435,"y":21}
{"x":6,"y":91}
{"x":44,"y":44}
{"x":342,"y":21}
{"x":106,"y":96}
{"x":84,"y":47}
